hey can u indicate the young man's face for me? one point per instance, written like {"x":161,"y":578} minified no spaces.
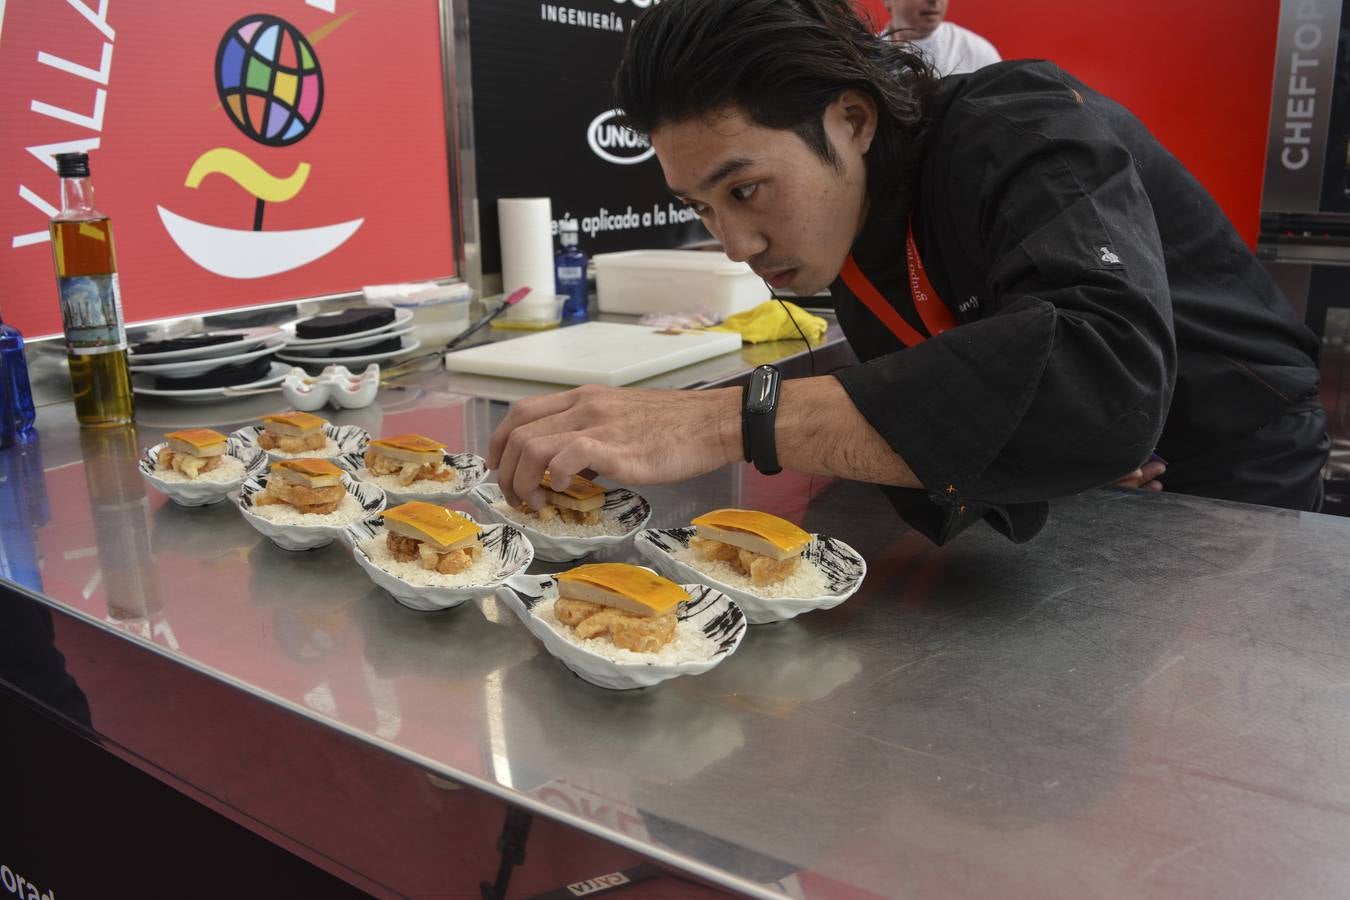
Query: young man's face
{"x":768,"y":197}
{"x":920,"y":18}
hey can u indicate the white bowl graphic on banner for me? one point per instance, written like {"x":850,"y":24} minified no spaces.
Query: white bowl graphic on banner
{"x":244,"y":253}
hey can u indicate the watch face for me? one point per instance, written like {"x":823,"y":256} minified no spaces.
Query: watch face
{"x":763,"y":394}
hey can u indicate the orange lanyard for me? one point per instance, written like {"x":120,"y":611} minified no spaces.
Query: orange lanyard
{"x":936,"y":317}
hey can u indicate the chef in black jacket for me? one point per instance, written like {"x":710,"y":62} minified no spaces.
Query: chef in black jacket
{"x":1044,"y":299}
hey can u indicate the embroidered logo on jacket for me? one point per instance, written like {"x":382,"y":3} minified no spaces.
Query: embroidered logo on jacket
{"x":1109,"y":257}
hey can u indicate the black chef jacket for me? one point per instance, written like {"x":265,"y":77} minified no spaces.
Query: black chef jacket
{"x":1105,"y":307}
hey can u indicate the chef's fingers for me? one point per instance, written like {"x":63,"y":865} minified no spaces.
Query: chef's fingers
{"x":580,"y":455}
{"x":1153,"y":469}
{"x":523,"y":412}
{"x":1131,"y":480}
{"x":527,"y":452}
{"x":512,"y":454}
{"x":536,"y":457}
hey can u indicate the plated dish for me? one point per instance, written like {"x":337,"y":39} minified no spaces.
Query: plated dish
{"x":772,"y":568}
{"x":407,"y":344}
{"x":198,"y":466}
{"x":352,"y":343}
{"x":429,"y":557}
{"x":583,"y":520}
{"x":144,"y":385}
{"x":303,"y":435}
{"x":184,"y":368}
{"x":215,"y":344}
{"x":304,"y":504}
{"x":620,"y":626}
{"x":416,"y":467}
{"x":346,"y":325}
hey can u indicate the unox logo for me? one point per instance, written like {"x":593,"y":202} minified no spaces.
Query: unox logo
{"x":615,"y":144}
{"x":271,"y":87}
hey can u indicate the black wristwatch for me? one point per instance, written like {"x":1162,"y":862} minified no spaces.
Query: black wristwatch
{"x":759,"y":410}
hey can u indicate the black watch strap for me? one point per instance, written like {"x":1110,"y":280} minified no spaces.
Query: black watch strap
{"x":759,"y":413}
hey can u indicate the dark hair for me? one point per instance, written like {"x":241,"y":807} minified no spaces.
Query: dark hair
{"x":782,"y":62}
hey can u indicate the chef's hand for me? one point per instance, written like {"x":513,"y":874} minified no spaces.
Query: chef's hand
{"x":628,"y":435}
{"x":1145,"y":477}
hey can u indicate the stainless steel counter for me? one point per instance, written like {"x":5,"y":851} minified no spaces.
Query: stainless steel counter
{"x":1152,"y":698}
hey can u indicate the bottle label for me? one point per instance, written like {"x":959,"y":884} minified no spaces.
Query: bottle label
{"x":571,"y":273}
{"x":91,"y":310}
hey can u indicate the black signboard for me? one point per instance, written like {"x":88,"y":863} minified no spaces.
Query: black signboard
{"x":543,"y":121}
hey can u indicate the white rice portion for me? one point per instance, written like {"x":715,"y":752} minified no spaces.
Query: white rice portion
{"x":329,"y":450}
{"x":349,"y":510}
{"x":807,"y":582}
{"x":391,"y":484}
{"x":608,"y":526}
{"x":689,"y":644}
{"x":229,"y":469}
{"x":480,"y":572}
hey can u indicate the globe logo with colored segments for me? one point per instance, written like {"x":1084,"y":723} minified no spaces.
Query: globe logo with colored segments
{"x":269,"y":80}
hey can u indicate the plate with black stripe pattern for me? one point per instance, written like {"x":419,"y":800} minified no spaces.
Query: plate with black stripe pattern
{"x":708,"y":612}
{"x":201,"y":491}
{"x":507,"y":550}
{"x":622,"y":515}
{"x":470,"y":470}
{"x":346,"y":438}
{"x":301,"y":536}
{"x":842,"y":567}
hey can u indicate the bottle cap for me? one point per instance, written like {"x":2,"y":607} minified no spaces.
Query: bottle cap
{"x":567,"y":225}
{"x":72,"y":165}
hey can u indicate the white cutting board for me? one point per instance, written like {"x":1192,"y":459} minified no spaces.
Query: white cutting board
{"x":593,"y":353}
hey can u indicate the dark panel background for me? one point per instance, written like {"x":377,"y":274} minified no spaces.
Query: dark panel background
{"x":537,"y":85}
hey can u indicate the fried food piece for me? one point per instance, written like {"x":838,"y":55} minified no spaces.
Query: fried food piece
{"x":641,"y":634}
{"x":408,"y":472}
{"x":185,"y":463}
{"x":572,"y":612}
{"x":551,"y":513}
{"x":403,"y":548}
{"x":765,"y":569}
{"x":264,"y":498}
{"x":759,"y":568}
{"x":706,"y":548}
{"x":451,"y":562}
{"x":287,"y":444}
{"x":301,"y":496}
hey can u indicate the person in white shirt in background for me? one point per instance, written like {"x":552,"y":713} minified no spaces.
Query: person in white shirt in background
{"x":950,"y":48}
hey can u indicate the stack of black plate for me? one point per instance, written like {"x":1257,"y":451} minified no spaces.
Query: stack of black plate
{"x":201,"y":367}
{"x":353,"y":337}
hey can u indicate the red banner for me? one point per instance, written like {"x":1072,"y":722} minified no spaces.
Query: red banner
{"x":1199,"y":77}
{"x":246,"y":152}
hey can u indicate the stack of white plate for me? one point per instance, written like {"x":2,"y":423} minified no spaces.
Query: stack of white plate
{"x":253,"y":344}
{"x":355,"y":346}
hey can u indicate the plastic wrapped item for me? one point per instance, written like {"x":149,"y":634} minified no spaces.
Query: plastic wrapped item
{"x":692,"y":318}
{"x":439,"y":311}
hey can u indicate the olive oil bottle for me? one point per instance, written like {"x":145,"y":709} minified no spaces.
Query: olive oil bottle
{"x":91,"y":305}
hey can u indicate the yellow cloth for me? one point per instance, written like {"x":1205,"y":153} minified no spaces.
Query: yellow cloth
{"x":769,"y":322}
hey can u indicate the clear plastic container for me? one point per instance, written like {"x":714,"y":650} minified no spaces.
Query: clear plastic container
{"x":439,"y":320}
{"x":533,"y":313}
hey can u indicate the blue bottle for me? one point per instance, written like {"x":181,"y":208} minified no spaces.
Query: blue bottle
{"x":20,"y":402}
{"x":7,"y":416}
{"x":569,"y":266}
